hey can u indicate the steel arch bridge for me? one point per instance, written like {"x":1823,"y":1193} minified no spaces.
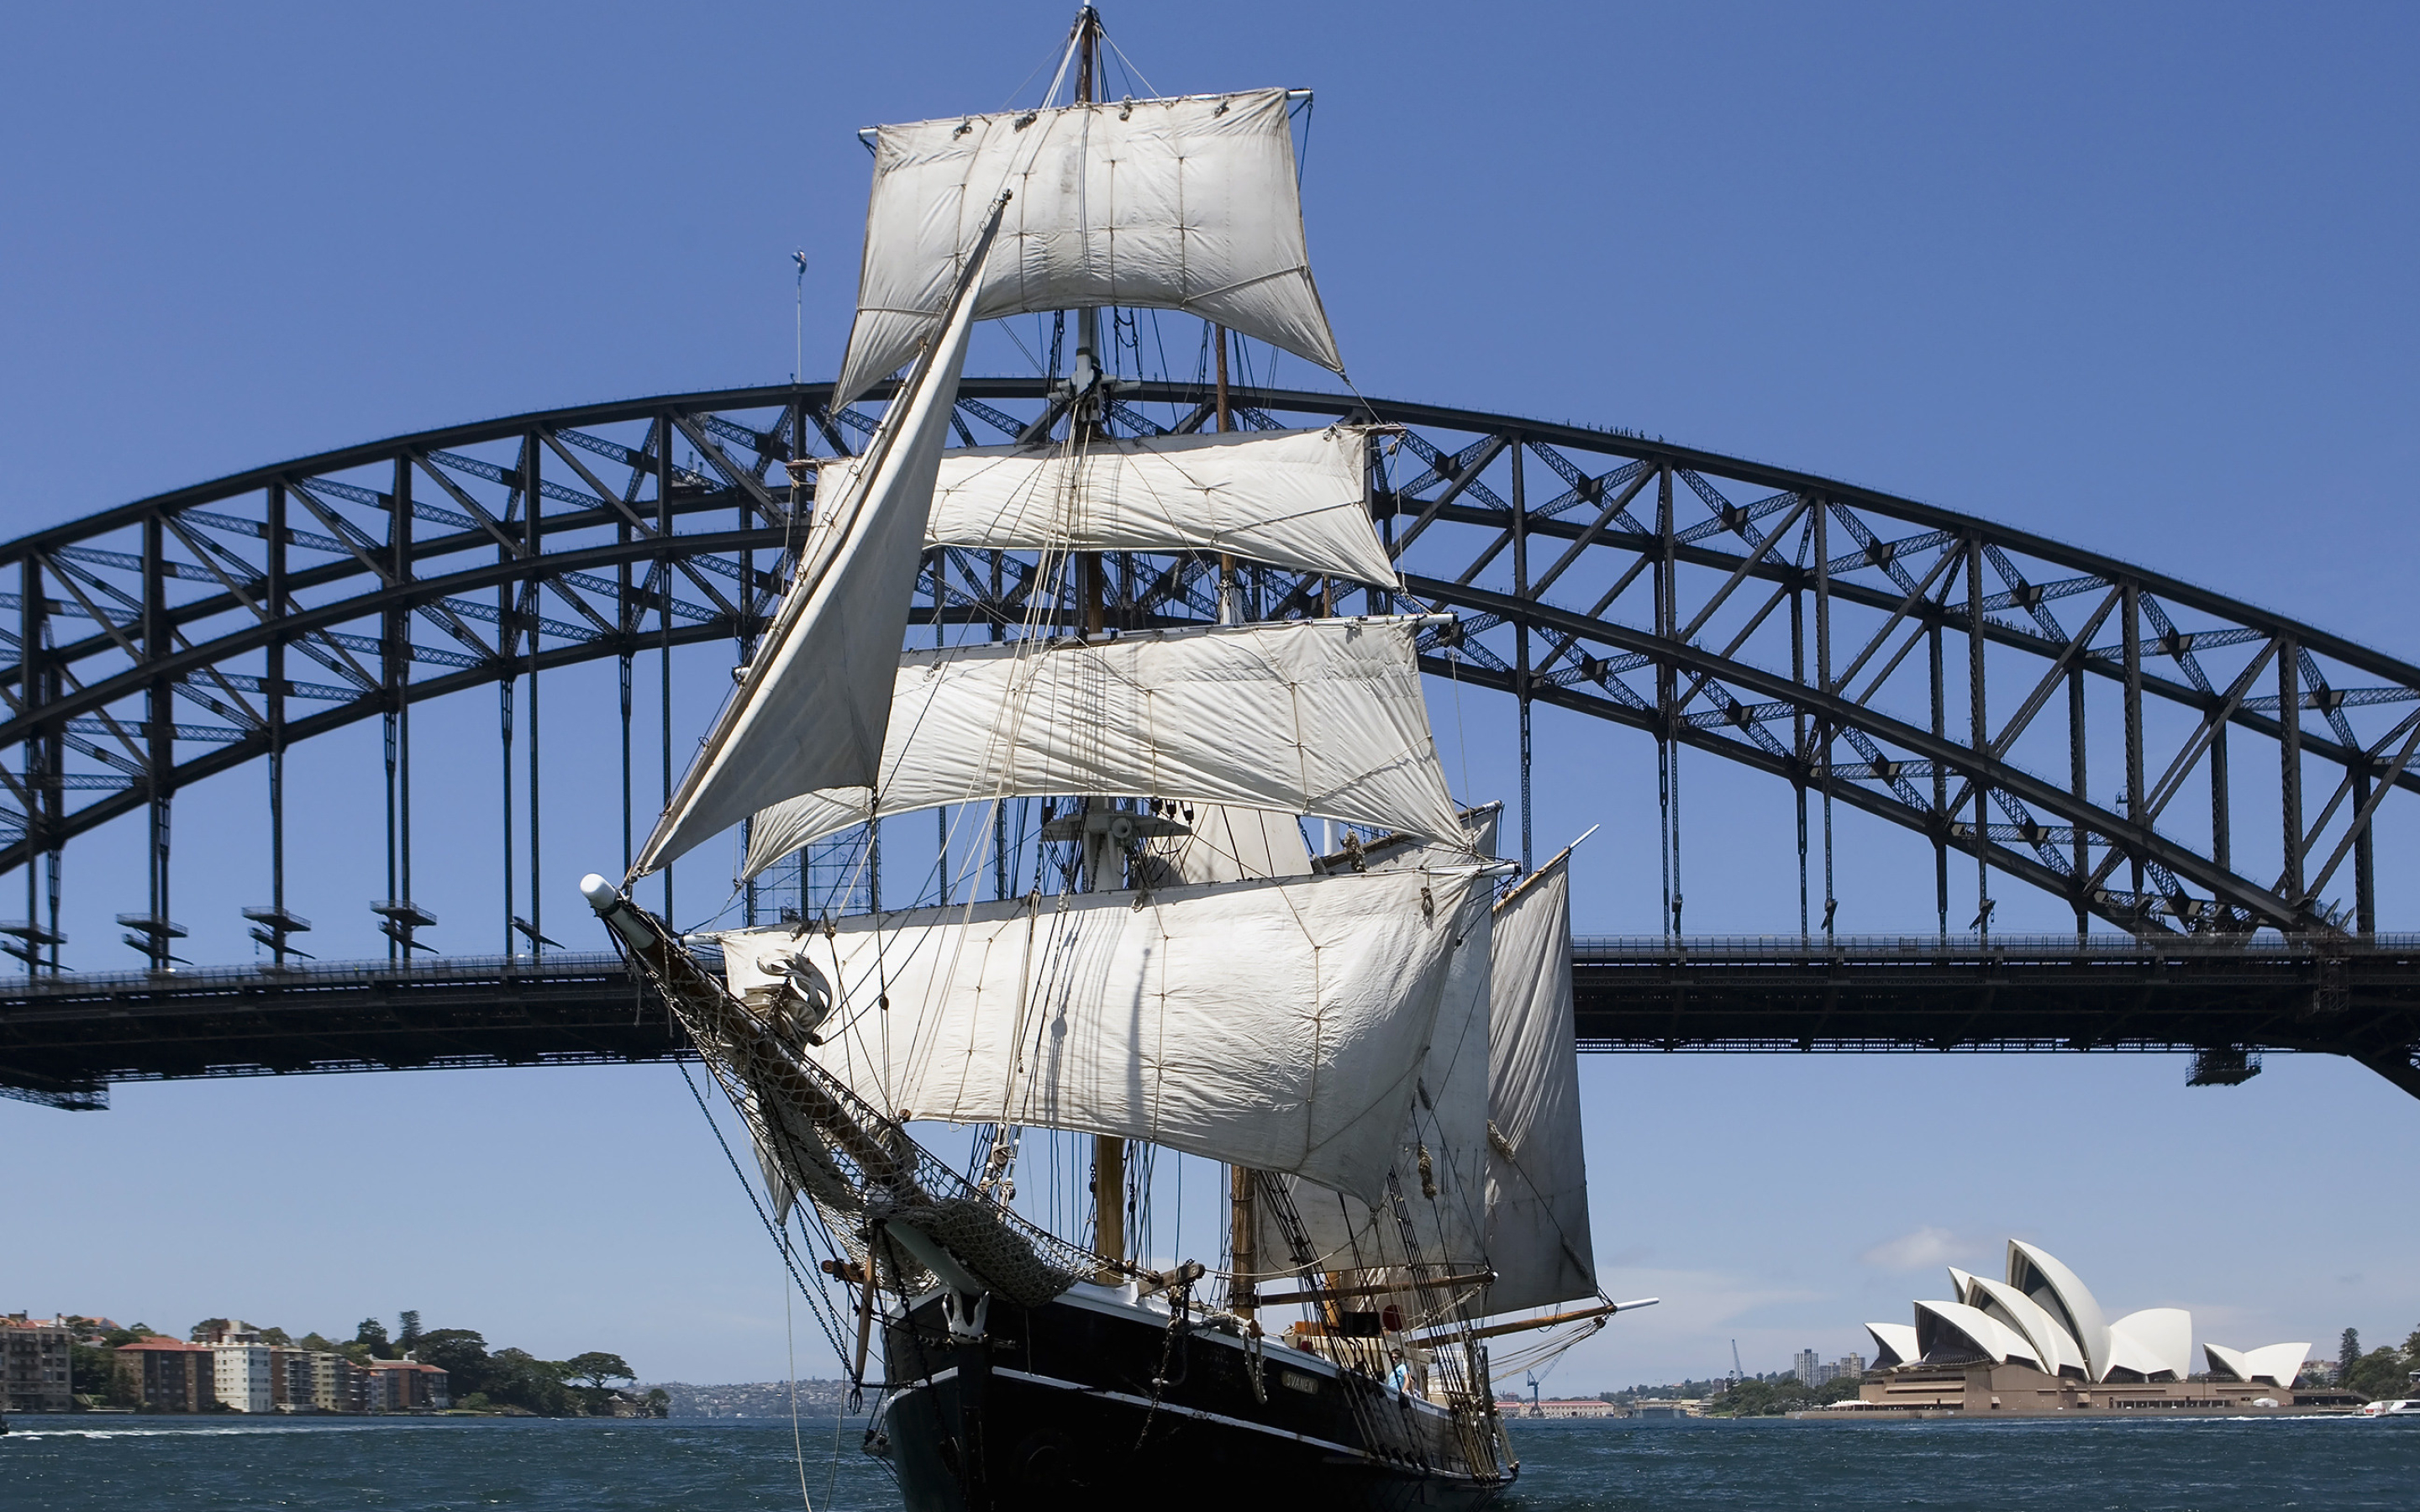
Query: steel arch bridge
{"x":1892,"y":656}
{"x":2054,"y":716}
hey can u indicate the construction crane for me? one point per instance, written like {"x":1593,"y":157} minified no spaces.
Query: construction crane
{"x":1737,"y":1374}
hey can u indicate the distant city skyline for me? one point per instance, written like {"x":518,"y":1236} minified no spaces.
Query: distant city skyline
{"x":2123,"y":282}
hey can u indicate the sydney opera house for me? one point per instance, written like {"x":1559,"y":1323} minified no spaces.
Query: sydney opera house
{"x":2038,"y":1342}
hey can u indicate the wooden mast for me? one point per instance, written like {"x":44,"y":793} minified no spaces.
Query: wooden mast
{"x":1084,"y":423}
{"x":1242,"y":1218}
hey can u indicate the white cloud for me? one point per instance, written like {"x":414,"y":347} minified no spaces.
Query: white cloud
{"x":1918,"y":1250}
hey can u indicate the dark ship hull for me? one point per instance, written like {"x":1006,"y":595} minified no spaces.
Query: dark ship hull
{"x":1093,"y":1401}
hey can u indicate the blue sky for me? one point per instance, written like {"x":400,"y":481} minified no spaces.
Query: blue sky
{"x":2136,"y":276}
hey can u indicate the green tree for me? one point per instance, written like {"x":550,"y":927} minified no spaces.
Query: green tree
{"x":461,"y":1354}
{"x":371,"y":1335}
{"x":205,"y":1328}
{"x":320,"y":1343}
{"x":659,"y":1403}
{"x":277,"y":1337}
{"x":2348,"y":1354}
{"x":520,"y":1379}
{"x":409,"y":1334}
{"x":91,"y":1371}
{"x":2379,"y":1373}
{"x":597,"y":1367}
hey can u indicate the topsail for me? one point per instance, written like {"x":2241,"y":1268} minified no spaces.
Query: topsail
{"x":1297,"y":499}
{"x":1171,"y":204}
{"x":1320,"y":716}
{"x":817,"y":701}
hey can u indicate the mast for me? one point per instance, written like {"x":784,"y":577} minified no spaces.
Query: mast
{"x":1227,"y":608}
{"x":1085,"y":425}
{"x":1242,"y":1218}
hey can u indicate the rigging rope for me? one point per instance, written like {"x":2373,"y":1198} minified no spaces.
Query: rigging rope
{"x":781,"y":1242}
{"x":790,"y":1343}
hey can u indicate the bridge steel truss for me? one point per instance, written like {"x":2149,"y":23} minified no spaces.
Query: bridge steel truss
{"x":2073,"y":722}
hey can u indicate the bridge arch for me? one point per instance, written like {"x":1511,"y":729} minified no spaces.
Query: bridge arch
{"x":1963,"y":680}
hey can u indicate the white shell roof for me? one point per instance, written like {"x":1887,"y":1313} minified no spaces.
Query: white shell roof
{"x":2277,"y":1363}
{"x":1976,"y":1331}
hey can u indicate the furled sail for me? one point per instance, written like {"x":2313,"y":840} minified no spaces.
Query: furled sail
{"x":1318,"y":717}
{"x":811,"y":712}
{"x":1277,"y":1024}
{"x":1172,"y":204}
{"x":1537,"y":1179}
{"x":1297,"y":499}
{"x":1440,"y":1151}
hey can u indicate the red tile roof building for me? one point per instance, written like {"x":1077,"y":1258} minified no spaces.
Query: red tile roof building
{"x":164,"y":1375}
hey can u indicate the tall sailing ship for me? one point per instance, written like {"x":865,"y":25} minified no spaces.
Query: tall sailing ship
{"x":1375,"y":1043}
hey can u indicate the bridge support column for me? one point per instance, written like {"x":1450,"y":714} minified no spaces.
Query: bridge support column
{"x":2078,"y":781}
{"x":1979,"y":733}
{"x":1824,"y":682}
{"x":1940,"y":789}
{"x":2365,"y":901}
{"x":1521,"y":633}
{"x":665,"y":621}
{"x":1798,"y":742}
{"x":2131,"y":628}
{"x":2289,"y":765}
{"x":533,"y":544}
{"x":161,"y":746}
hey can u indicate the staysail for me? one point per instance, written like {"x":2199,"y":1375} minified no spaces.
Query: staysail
{"x":813,"y":710}
{"x":1537,"y":1177}
{"x":1297,"y":499}
{"x":1185,"y":204}
{"x":1318,"y":717}
{"x":1275,"y":1025}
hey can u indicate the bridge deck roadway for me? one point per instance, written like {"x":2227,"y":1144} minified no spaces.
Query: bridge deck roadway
{"x":63,"y":1041}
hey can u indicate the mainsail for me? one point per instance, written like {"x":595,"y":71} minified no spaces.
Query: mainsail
{"x":811,"y":712}
{"x":1275,"y":1025}
{"x":1185,"y":204}
{"x":1295,"y":499}
{"x":1537,"y":1177}
{"x":1318,"y":717}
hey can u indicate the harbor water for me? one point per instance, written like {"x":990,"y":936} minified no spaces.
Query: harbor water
{"x":90,"y":1464}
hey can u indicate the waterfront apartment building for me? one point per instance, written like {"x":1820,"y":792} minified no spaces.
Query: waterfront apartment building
{"x":36,"y":1365}
{"x":165,"y":1375}
{"x":337,"y":1384}
{"x":409,"y":1386}
{"x":1805,"y":1367}
{"x":234,"y":1369}
{"x":245,"y":1375}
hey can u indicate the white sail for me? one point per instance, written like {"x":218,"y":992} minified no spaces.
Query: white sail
{"x":1536,"y":1178}
{"x":1297,"y":499}
{"x":1229,"y":844}
{"x":811,"y":712}
{"x":1172,"y":204}
{"x":1319,"y":717}
{"x":1440,"y":1151}
{"x":1277,"y":1025}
